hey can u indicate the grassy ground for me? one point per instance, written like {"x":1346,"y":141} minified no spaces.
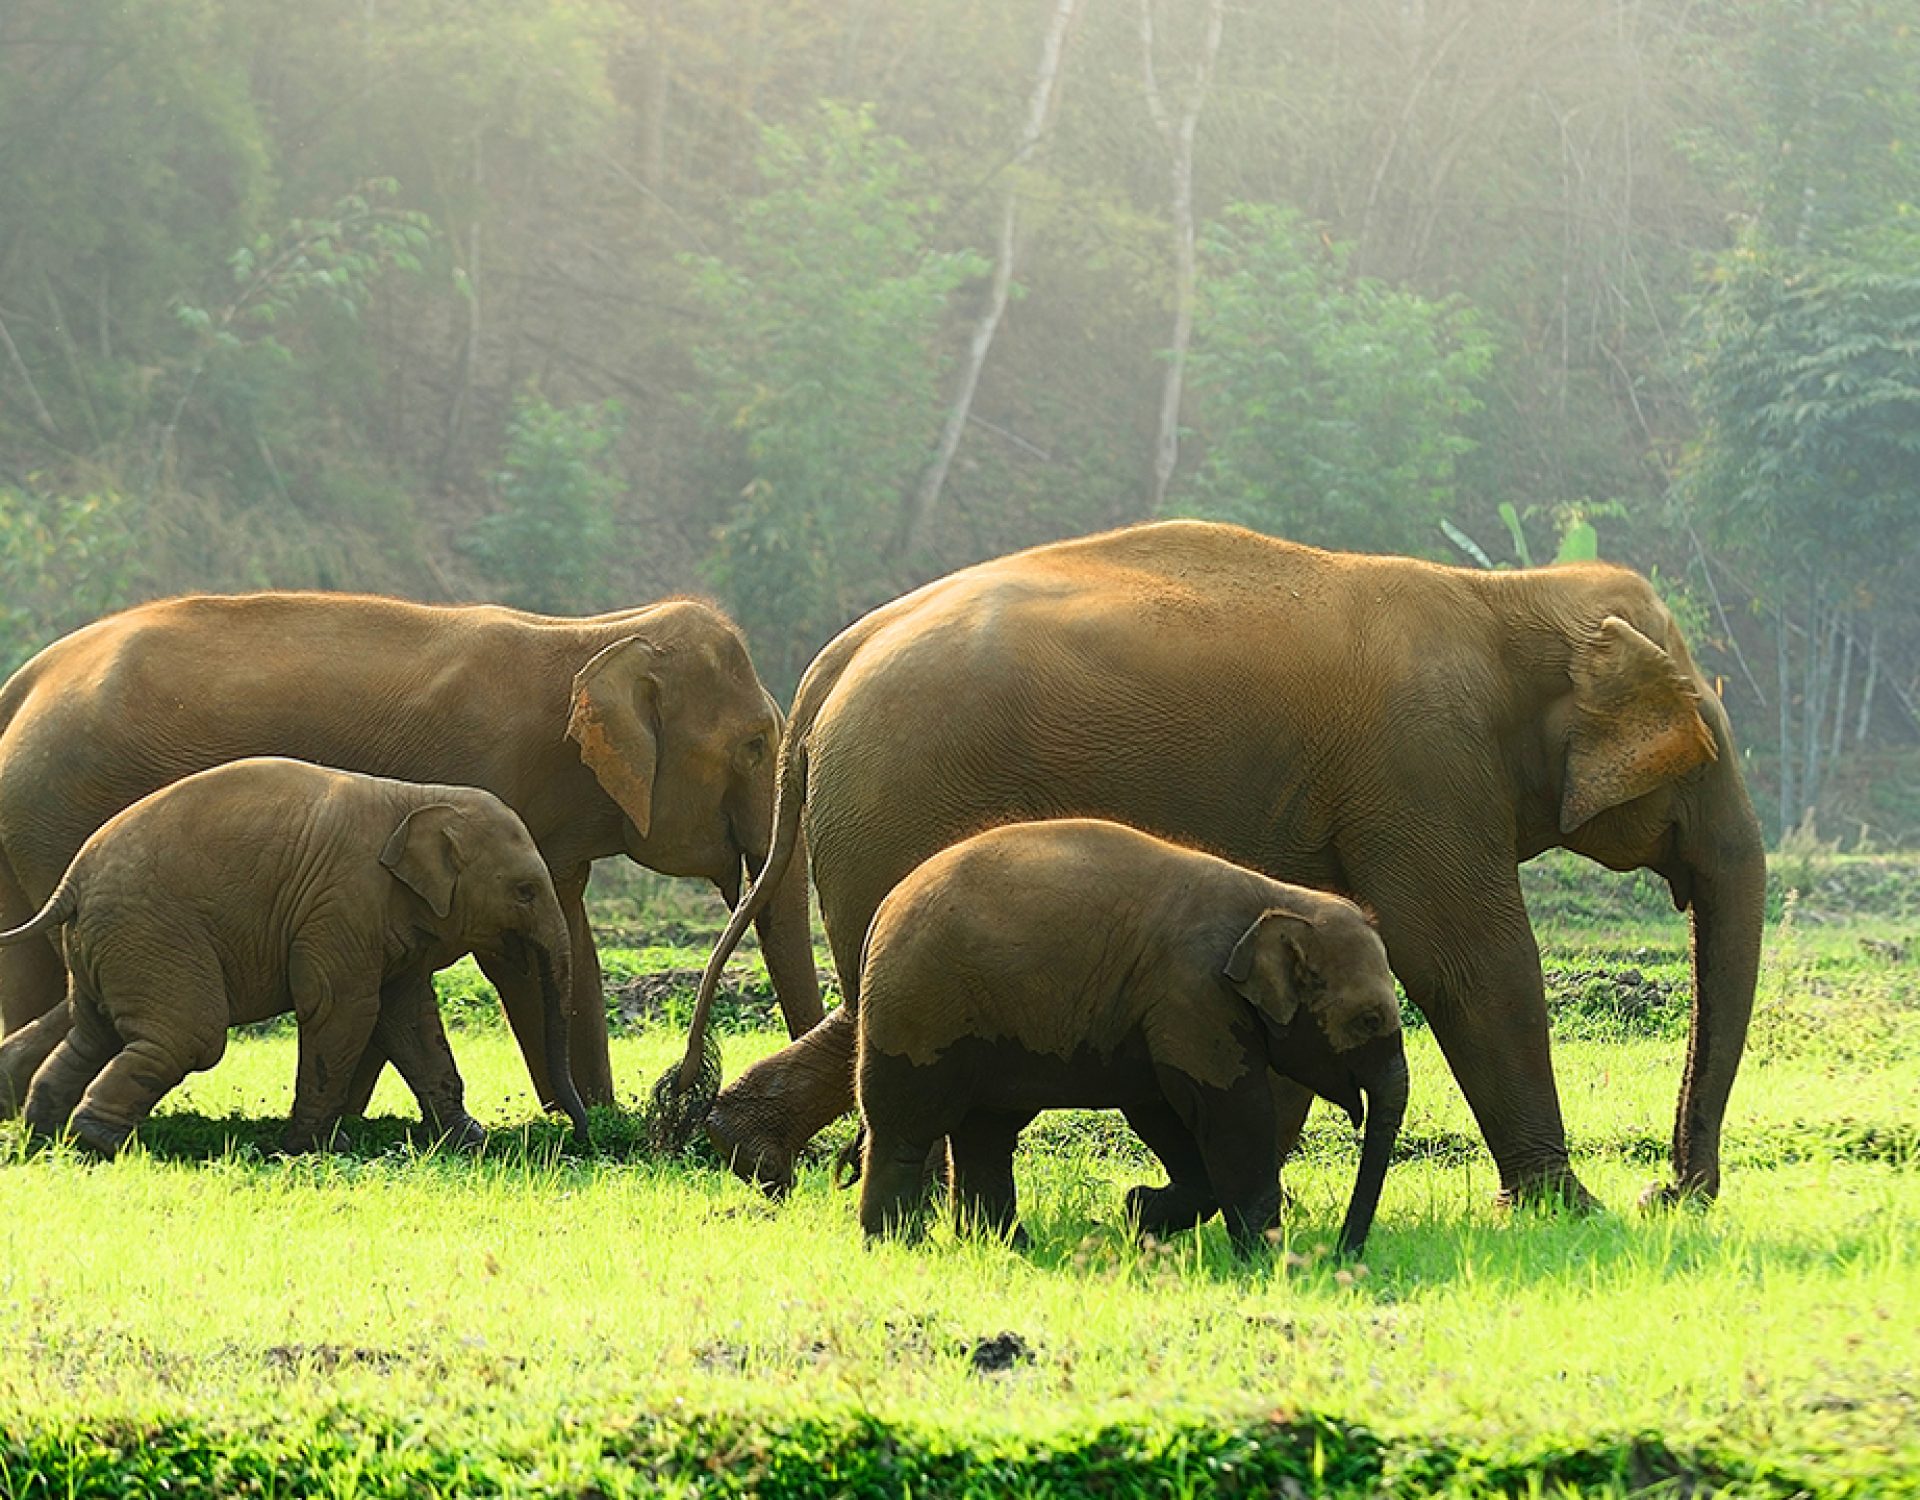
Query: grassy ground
{"x":200,"y":1317}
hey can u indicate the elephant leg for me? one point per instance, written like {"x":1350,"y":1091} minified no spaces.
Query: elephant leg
{"x":366,"y":1076}
{"x":525,"y":1005}
{"x":1291,"y":1104}
{"x":893,"y":1185}
{"x":1459,"y":941}
{"x":335,"y":1025}
{"x":587,"y":1029}
{"x":24,"y":1051}
{"x":409,"y":1032}
{"x":86,"y":1047}
{"x":1234,"y":1131}
{"x":33,"y":975}
{"x":764,"y":1117}
{"x":137,"y":1078}
{"x":1188,"y":1198}
{"x":1497,"y":1047}
{"x":981,"y":1149}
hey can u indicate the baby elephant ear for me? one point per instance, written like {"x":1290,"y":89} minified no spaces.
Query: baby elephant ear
{"x":424,"y":854}
{"x":1264,"y":965}
{"x":612,"y":721}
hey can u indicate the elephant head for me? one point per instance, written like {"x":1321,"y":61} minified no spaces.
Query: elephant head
{"x":674,"y":724}
{"x":1332,"y":964}
{"x":1633,"y":765}
{"x":1331,"y":961}
{"x":475,"y":868}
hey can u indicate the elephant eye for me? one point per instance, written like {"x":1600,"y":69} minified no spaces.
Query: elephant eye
{"x":754,"y":749}
{"x":525,"y":892}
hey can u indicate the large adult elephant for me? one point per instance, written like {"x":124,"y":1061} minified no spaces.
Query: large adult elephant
{"x":645,"y":732}
{"x":1403,"y":732}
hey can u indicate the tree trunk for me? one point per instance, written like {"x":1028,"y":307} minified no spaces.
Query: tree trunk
{"x":1867,"y":687}
{"x":1178,"y":137}
{"x":1840,"y":693}
{"x":925,"y":501}
{"x":42,"y":418}
{"x":470,"y":346}
{"x":1789,"y":804}
{"x":653,"y":112}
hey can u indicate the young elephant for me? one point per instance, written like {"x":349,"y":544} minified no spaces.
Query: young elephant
{"x":269,"y":885}
{"x":1081,"y":963}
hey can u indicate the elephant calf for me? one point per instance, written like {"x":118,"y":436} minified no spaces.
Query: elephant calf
{"x":268,"y":885}
{"x":1082,"y":963}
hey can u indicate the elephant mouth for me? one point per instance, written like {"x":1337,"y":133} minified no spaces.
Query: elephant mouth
{"x":515,"y":952}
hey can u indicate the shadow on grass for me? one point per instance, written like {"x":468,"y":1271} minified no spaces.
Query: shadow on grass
{"x":187,"y":1136}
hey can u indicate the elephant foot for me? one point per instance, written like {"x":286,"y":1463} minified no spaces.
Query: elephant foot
{"x":304,"y":1141}
{"x":1014,"y":1237}
{"x":1557,"y":1188}
{"x":752,"y":1155}
{"x":98,"y":1137}
{"x":463,"y":1134}
{"x":1167,"y":1210}
{"x":1697,"y":1193}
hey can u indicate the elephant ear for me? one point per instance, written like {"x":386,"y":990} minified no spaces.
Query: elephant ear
{"x":615,"y":708}
{"x":1636,"y":726}
{"x":424,"y":854}
{"x":1268,"y":963}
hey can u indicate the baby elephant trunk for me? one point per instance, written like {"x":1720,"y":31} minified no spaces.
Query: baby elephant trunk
{"x":1383,"y":1080}
{"x":556,"y":997}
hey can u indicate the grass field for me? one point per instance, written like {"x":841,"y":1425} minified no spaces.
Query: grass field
{"x":200,"y":1317}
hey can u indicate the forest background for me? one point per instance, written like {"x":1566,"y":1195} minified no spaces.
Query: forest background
{"x":576,"y":303}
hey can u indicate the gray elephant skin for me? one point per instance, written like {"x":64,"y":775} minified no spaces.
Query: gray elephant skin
{"x":1079,"y":963}
{"x":269,"y":885}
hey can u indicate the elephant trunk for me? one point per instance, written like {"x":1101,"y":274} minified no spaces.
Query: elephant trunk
{"x":1727,"y":889}
{"x":1385,"y":1086}
{"x":771,"y":877}
{"x":556,"y":995}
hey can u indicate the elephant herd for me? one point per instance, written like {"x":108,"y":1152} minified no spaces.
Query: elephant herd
{"x":951,"y":773}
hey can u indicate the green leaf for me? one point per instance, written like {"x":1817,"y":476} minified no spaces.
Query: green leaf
{"x":1520,"y":548}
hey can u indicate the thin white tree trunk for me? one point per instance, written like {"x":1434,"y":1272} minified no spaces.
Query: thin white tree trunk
{"x":1840,"y":694}
{"x":1866,"y":689}
{"x":1789,"y":793}
{"x":925,"y":501}
{"x":1178,"y":137}
{"x":470,"y":347}
{"x":42,"y":418}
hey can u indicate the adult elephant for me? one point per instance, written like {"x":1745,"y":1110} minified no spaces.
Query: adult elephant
{"x":1403,"y":732}
{"x":644,"y":731}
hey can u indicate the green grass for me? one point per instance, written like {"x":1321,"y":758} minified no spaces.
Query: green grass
{"x":202,"y":1317}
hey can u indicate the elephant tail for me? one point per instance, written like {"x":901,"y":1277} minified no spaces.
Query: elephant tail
{"x":60,"y":908}
{"x":789,"y":800}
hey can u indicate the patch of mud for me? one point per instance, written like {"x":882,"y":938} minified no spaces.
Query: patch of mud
{"x":743,"y":1000}
{"x":999,"y":1354}
{"x":326,"y":1358}
{"x":1617,"y":998}
{"x":720,"y":1356}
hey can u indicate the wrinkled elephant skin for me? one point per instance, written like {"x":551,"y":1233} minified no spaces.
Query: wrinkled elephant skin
{"x":268,"y":885}
{"x":644,"y":732}
{"x":1399,"y":731}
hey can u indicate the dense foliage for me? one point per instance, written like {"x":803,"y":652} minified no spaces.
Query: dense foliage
{"x":339,"y":295}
